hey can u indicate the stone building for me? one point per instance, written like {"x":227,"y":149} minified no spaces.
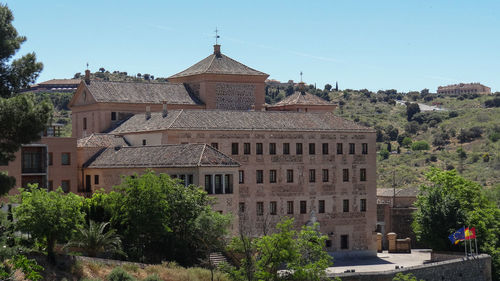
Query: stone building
{"x":209,"y":126}
{"x":462,"y":88}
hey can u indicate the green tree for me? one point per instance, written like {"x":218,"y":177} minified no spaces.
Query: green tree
{"x":405,"y":277}
{"x":411,"y":109}
{"x":48,"y":216}
{"x":450,"y":202}
{"x":328,"y":87}
{"x":21,"y":119}
{"x":160,"y":219}
{"x":93,"y":239}
{"x":300,"y":253}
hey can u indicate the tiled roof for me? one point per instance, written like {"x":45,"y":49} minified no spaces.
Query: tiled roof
{"x":299,"y":98}
{"x":102,"y":140}
{"x":140,"y":92}
{"x":400,"y":192}
{"x":161,"y":156}
{"x":61,"y":82}
{"x":218,"y":64}
{"x":239,"y":120}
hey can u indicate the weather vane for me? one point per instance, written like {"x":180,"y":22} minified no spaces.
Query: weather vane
{"x":216,"y":35}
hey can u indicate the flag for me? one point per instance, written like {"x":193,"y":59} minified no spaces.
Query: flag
{"x":457,"y":236}
{"x":470,"y":233}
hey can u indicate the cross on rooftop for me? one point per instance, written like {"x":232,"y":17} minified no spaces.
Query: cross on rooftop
{"x":216,"y":35}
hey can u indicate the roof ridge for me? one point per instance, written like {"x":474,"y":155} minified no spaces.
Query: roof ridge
{"x":210,"y":63}
{"x":175,"y":118}
{"x":201,"y":154}
{"x":136,"y":82}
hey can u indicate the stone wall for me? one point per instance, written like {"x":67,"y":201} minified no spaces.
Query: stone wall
{"x":477,"y":269}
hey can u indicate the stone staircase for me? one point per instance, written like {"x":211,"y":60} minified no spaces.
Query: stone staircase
{"x":217,"y":258}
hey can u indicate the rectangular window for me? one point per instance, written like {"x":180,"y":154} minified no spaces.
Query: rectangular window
{"x":208,"y":184}
{"x":272,"y":176}
{"x":85,"y":123}
{"x":345,"y":205}
{"x":260,"y":208}
{"x":272,"y":148}
{"x":218,"y":184}
{"x":96,"y":179}
{"x":234,"y":148}
{"x":289,"y":175}
{"x":289,"y":207}
{"x":286,"y":148}
{"x":362,"y":174}
{"x":259,"y":148}
{"x":259,"y":176}
{"x":215,"y":145}
{"x":312,"y":148}
{"x":113,"y":116}
{"x":321,"y":206}
{"x":246,"y":148}
{"x":143,"y":142}
{"x":190,"y":179}
{"x":312,"y":175}
{"x":352,"y":148}
{"x":241,"y":207}
{"x":65,"y":185}
{"x":51,"y":159}
{"x":340,"y":149}
{"x":88,"y":183}
{"x":228,"y":184}
{"x":325,"y":175}
{"x":65,"y":158}
{"x":273,"y":208}
{"x":344,"y":242}
{"x":325,"y":148}
{"x":364,"y":148}
{"x":328,"y":243}
{"x":303,"y":207}
{"x":241,"y":176}
{"x":345,"y":174}
{"x":298,"y":148}
{"x":362,"y":205}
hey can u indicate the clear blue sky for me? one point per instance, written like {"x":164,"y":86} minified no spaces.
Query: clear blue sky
{"x":403,"y":44}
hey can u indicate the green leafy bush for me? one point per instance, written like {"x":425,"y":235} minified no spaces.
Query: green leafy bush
{"x":153,"y":277}
{"x":420,"y":145}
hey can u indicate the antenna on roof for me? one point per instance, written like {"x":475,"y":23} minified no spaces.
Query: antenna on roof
{"x":300,"y":76}
{"x":87,"y":66}
{"x":216,"y":36}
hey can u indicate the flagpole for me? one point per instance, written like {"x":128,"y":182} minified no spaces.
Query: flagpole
{"x":470,"y":242}
{"x":465,"y":244}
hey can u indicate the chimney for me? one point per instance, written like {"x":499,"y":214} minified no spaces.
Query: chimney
{"x":165,"y":111}
{"x":87,"y":77}
{"x":148,"y":112}
{"x":302,"y":87}
{"x":217,"y":52}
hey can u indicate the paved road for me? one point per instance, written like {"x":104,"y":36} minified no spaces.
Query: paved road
{"x":383,"y":261}
{"x":424,"y":107}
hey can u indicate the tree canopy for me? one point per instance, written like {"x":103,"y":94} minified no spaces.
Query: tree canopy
{"x":21,"y":119}
{"x":48,"y":216}
{"x":450,"y":202}
{"x":161,"y":219}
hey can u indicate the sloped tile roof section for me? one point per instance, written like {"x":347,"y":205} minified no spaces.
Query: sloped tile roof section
{"x":102,"y":140}
{"x":219,"y":64}
{"x":239,"y":120}
{"x":400,"y":192}
{"x":61,"y":82}
{"x":141,"y":92}
{"x":299,"y":98}
{"x":162,"y":156}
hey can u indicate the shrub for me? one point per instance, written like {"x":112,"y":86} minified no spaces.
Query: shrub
{"x":433,"y":158}
{"x":493,"y":103}
{"x":406,"y":142}
{"x":452,"y":114}
{"x":420,"y":145}
{"x":468,"y":135}
{"x":412,"y":127}
{"x":486,"y":157}
{"x":441,"y":139}
{"x":384,"y":153}
{"x":494,"y":137}
{"x":119,"y":274}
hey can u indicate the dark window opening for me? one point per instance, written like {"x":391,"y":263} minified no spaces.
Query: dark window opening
{"x":298,"y":148}
{"x":312,"y":148}
{"x":325,"y":148}
{"x":321,"y":206}
{"x":234,"y":148}
{"x":272,"y":148}
{"x":286,"y":148}
{"x":303,"y":207}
